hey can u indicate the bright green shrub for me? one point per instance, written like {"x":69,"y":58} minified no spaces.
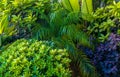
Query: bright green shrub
{"x":34,"y":59}
{"x":102,"y":30}
{"x":25,"y":15}
{"x":105,"y":21}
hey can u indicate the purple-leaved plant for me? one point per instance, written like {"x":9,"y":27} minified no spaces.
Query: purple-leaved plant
{"x":106,"y":56}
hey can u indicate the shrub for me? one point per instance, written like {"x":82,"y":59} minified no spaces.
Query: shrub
{"x":25,"y":15}
{"x":34,"y":59}
{"x":106,"y":56}
{"x":105,"y":21}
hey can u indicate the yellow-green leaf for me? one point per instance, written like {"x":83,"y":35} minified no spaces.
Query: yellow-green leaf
{"x":75,"y":5}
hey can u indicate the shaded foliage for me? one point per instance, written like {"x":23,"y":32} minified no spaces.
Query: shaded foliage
{"x":106,"y":56}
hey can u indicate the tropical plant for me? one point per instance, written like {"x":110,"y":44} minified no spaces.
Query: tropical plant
{"x":26,"y":14}
{"x":71,"y":5}
{"x":105,"y":21}
{"x":66,"y":31}
{"x":5,"y":28}
{"x":106,"y":56}
{"x":58,"y":24}
{"x":102,"y":30}
{"x":86,"y":9}
{"x":34,"y":58}
{"x":114,"y":9}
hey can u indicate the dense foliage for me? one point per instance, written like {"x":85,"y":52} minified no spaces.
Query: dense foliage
{"x":31,"y":59}
{"x":105,"y":21}
{"x":87,"y":29}
{"x":105,"y":35}
{"x":41,"y":20}
{"x":106,"y":56}
{"x":24,"y":15}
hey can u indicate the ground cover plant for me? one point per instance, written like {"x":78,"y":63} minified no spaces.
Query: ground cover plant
{"x":86,"y":30}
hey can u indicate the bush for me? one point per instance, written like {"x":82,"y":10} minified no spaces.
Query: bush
{"x":106,"y":56}
{"x":106,"y":20}
{"x":25,"y":15}
{"x":34,"y":59}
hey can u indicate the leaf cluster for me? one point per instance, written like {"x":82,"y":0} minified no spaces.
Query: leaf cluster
{"x":105,"y":21}
{"x":34,"y":58}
